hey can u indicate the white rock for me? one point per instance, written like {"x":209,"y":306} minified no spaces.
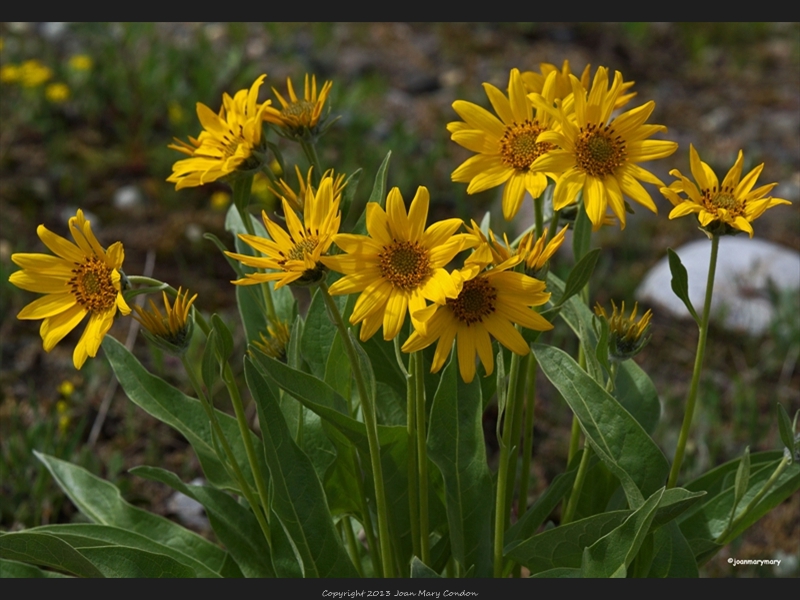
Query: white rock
{"x":188,"y":510}
{"x":744,"y":266}
{"x":128,"y":197}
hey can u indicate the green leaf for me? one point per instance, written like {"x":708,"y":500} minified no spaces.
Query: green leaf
{"x":704,"y":525}
{"x":378,"y":194}
{"x":299,"y":499}
{"x":349,"y":193}
{"x":419,"y":570}
{"x":563,"y":546}
{"x":47,"y":551}
{"x":611,"y":555}
{"x":234,"y":524}
{"x":17,"y":570}
{"x":234,"y":264}
{"x":786,"y":430}
{"x":209,"y":365}
{"x":635,"y":391}
{"x":223,"y":339}
{"x":338,"y":374}
{"x":672,"y":555}
{"x":456,"y":445}
{"x":319,"y":333}
{"x":579,"y":275}
{"x":102,"y":503}
{"x":169,"y":405}
{"x":545,"y":504}
{"x":121,"y":561}
{"x":742,"y":477}
{"x":675,"y":502}
{"x":89,"y":535}
{"x":601,"y":352}
{"x":619,"y":440}
{"x":680,"y":282}
{"x":559,"y":573}
{"x":581,"y":231}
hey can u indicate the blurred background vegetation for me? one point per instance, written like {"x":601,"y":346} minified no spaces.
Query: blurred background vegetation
{"x":87,"y":111}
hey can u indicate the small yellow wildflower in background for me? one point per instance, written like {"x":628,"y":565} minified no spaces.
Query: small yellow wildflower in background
{"x":229,"y":141}
{"x":57,"y":92}
{"x":81,"y":62}
{"x":534,"y":82}
{"x":220,"y":200}
{"x":488,"y":305}
{"x":300,"y":117}
{"x":171,"y":330}
{"x":296,"y":199}
{"x":626,"y":336}
{"x":506,"y":146}
{"x":295,"y":257}
{"x":66,"y":388}
{"x":276,"y":341}
{"x":82,"y":279}
{"x":175,"y":113}
{"x":399,"y":265}
{"x":725,"y":209}
{"x":598,"y":154}
{"x":10,"y":73}
{"x":33,"y":73}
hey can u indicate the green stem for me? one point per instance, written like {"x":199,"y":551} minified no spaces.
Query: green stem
{"x":371,"y":422}
{"x":244,"y":430}
{"x":538,"y":213}
{"x":243,"y":485}
{"x":516,"y":387}
{"x":422,"y":459}
{"x":527,"y":444}
{"x":411,"y":429}
{"x":577,"y":487}
{"x":502,"y":472}
{"x":310,"y":150}
{"x":347,"y":524}
{"x":698,"y":367}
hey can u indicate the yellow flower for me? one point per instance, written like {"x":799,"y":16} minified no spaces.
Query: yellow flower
{"x":175,"y":113}
{"x":534,"y":82}
{"x":725,"y":209}
{"x":295,"y":200}
{"x":10,"y":73}
{"x":81,"y":279}
{"x":398,"y":266}
{"x":171,"y":330}
{"x":229,"y":141}
{"x":535,"y":252}
{"x":276,"y":341}
{"x":506,"y":147}
{"x":294,"y":257}
{"x":33,"y":73}
{"x":599,"y":155}
{"x":299,"y":116}
{"x":220,"y":200}
{"x":626,"y":337}
{"x":57,"y":92}
{"x":488,"y":306}
{"x":81,"y":62}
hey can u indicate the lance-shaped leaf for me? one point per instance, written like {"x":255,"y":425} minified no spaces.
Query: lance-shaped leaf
{"x":90,"y":535}
{"x":319,"y":333}
{"x":12,"y":569}
{"x":680,"y":282}
{"x":456,"y":446}
{"x":46,"y":551}
{"x":102,"y":503}
{"x":619,"y":440}
{"x":122,"y":561}
{"x":378,"y":194}
{"x":419,"y":570}
{"x":672,"y":555}
{"x":171,"y":406}
{"x":786,"y":430}
{"x":235,"y":525}
{"x":563,"y":546}
{"x":582,"y":231}
{"x":298,"y":497}
{"x":610,"y":555}
{"x":579,"y":275}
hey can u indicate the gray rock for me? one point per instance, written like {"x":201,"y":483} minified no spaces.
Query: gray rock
{"x":744,"y":268}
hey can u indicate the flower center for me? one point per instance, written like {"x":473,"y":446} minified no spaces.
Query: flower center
{"x":92,"y":285}
{"x":476,"y":301}
{"x":300,"y":248}
{"x":598,"y":151}
{"x":722,"y":199}
{"x":298,"y":109}
{"x":518,"y":147}
{"x":405,"y":264}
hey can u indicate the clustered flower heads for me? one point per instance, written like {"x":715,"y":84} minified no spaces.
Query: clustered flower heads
{"x":548,"y":129}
